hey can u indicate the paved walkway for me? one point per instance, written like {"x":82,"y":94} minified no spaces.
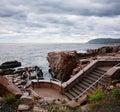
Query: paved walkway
{"x":48,"y":92}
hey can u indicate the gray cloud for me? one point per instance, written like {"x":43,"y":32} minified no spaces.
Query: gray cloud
{"x":68,"y":20}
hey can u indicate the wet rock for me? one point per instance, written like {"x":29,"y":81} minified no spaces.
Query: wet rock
{"x":7,"y":71}
{"x":7,"y":87}
{"x":62,"y":64}
{"x":27,"y":100}
{"x":23,"y":107}
{"x":10,"y":64}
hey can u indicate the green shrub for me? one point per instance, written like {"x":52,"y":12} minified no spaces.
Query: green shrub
{"x":55,"y":109}
{"x":36,"y":97}
{"x":9,"y":99}
{"x":98,"y":94}
{"x":115,"y":92}
{"x":63,"y":101}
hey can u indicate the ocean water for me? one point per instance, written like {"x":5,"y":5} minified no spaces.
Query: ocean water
{"x":36,"y":54}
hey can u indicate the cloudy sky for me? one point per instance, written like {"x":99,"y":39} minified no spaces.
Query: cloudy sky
{"x":58,"y":20}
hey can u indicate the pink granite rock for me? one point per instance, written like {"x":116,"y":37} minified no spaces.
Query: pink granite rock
{"x":62,"y":64}
{"x":72,"y":104}
{"x":7,"y":87}
{"x":23,"y":107}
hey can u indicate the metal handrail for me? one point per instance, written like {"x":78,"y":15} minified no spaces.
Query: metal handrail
{"x":117,"y":65}
{"x":90,"y":86}
{"x":80,"y":73}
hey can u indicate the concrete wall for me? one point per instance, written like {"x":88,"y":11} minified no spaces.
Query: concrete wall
{"x":46,"y":85}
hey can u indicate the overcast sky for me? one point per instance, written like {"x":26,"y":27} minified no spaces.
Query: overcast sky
{"x":58,"y":20}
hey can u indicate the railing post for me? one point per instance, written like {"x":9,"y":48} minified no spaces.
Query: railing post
{"x":61,"y":86}
{"x":37,"y":83}
{"x":50,"y":83}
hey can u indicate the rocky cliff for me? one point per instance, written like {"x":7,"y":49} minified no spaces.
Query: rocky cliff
{"x":62,"y":64}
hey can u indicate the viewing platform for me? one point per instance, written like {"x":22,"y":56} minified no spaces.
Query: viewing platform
{"x":86,"y":80}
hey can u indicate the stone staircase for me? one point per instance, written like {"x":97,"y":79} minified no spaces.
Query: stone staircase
{"x":84,"y":84}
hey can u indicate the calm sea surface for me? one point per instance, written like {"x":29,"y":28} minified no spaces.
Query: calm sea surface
{"x":36,"y":54}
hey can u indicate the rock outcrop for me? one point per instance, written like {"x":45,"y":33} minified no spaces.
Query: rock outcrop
{"x":62,"y":64}
{"x":7,"y":71}
{"x":7,"y":87}
{"x":10,"y":64}
{"x":23,"y":108}
{"x":27,"y":100}
{"x":103,"y":50}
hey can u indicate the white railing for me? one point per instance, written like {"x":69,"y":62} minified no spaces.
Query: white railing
{"x":91,"y":86}
{"x":49,"y":80}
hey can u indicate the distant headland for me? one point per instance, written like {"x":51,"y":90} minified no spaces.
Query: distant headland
{"x":104,"y":41}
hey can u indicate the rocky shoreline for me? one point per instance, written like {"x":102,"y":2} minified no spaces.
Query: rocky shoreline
{"x":63,"y":66}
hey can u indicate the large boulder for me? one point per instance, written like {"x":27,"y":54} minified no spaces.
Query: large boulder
{"x":10,"y":64}
{"x":73,"y":104}
{"x":23,"y":108}
{"x":62,"y":64}
{"x":7,"y":87}
{"x":27,"y":100}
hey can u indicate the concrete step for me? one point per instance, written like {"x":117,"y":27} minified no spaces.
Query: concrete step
{"x":91,"y":78}
{"x":68,"y":95}
{"x":99,"y":70}
{"x":76,"y":90}
{"x":79,"y":88}
{"x":103,"y":80}
{"x":73,"y":93}
{"x":102,"y":83}
{"x":95,"y":73}
{"x":85,"y":82}
{"x":94,"y":76}
{"x":90,"y":81}
{"x":81,"y":85}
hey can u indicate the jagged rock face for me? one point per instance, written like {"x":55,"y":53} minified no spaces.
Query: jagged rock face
{"x":103,"y":50}
{"x":62,"y":64}
{"x":7,"y":87}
